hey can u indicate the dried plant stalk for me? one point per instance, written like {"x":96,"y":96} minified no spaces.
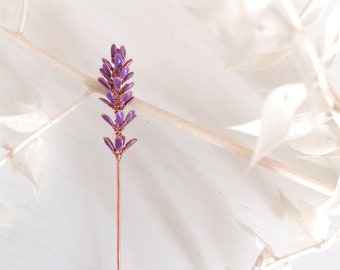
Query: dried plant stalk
{"x":233,"y":147}
{"x":321,"y":246}
{"x":12,"y":151}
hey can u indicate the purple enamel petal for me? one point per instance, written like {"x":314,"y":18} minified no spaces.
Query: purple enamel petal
{"x":110,"y":96}
{"x":108,"y":119}
{"x":124,"y":103}
{"x":118,"y":60}
{"x":127,"y":87}
{"x":123,"y":51}
{"x":109,"y":143}
{"x":130,"y":116}
{"x":107,"y":62}
{"x":127,"y":96}
{"x":127,"y":102}
{"x":104,"y":83}
{"x":118,"y":143}
{"x":105,"y":101}
{"x":117,"y":82}
{"x":113,"y":50}
{"x":106,"y":70}
{"x":119,"y":118}
{"x":128,"y":63}
{"x":130,"y":143}
{"x":104,"y":74}
{"x":124,"y":72}
{"x":129,"y":76}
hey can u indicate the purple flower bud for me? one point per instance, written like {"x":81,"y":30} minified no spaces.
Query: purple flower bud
{"x":130,"y":116}
{"x":108,"y":119}
{"x":106,"y":70}
{"x":107,"y":62}
{"x":111,"y":97}
{"x":119,"y":118}
{"x":119,"y":142}
{"x":122,"y":104}
{"x":124,"y":72}
{"x":118,"y":60}
{"x":130,"y":143}
{"x":104,"y":74}
{"x":117,"y":82}
{"x":113,"y":50}
{"x":105,"y":101}
{"x":129,"y":76}
{"x":128,"y":63}
{"x":127,"y":87}
{"x":104,"y":83}
{"x":127,"y":96}
{"x":115,"y":75}
{"x":122,"y":51}
{"x":109,"y":143}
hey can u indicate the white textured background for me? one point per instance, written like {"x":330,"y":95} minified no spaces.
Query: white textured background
{"x":180,"y":193}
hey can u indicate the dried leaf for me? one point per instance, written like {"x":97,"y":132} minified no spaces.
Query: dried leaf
{"x":328,"y":44}
{"x":26,"y":108}
{"x":34,"y":165}
{"x":291,"y":214}
{"x":302,"y":124}
{"x":330,"y":55}
{"x":277,"y":114}
{"x":260,"y":243}
{"x":265,"y":258}
{"x":263,"y":62}
{"x":332,"y":27}
{"x":334,"y":238}
{"x":305,"y":220}
{"x":6,"y":219}
{"x":327,"y":55}
{"x":312,"y":11}
{"x":19,"y":165}
{"x":250,"y":128}
{"x":9,"y":10}
{"x":336,"y":117}
{"x":331,"y":207}
{"x":314,"y":222}
{"x":27,"y":122}
{"x":322,"y":140}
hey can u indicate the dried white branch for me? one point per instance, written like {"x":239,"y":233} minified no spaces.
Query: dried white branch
{"x":20,"y":41}
{"x":308,"y":48}
{"x":233,"y":147}
{"x":12,"y":151}
{"x":156,"y":112}
{"x":321,"y":246}
{"x":320,"y":72}
{"x":23,"y":16}
{"x":331,"y":52}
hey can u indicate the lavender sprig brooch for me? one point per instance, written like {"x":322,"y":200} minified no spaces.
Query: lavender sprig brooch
{"x":115,"y":80}
{"x":115,"y":77}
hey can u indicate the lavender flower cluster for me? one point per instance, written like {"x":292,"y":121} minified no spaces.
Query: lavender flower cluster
{"x":115,"y":79}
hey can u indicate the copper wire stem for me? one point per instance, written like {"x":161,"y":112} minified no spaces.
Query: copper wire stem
{"x":118,"y":243}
